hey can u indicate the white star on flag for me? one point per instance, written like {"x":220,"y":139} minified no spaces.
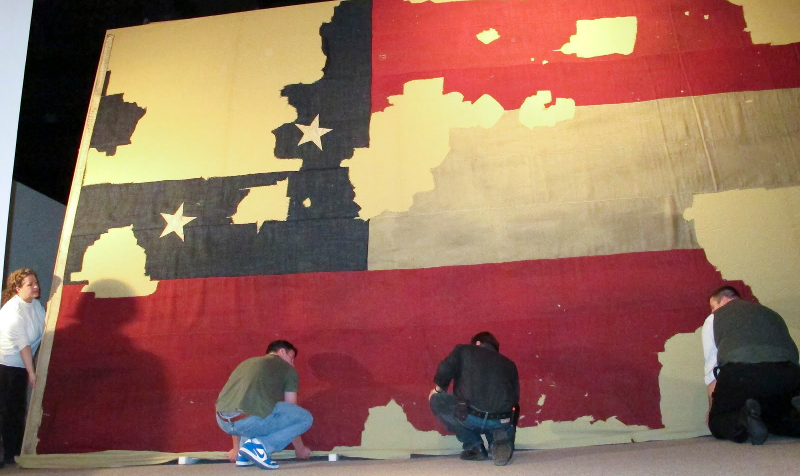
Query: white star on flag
{"x":312,"y":133}
{"x":175,"y":222}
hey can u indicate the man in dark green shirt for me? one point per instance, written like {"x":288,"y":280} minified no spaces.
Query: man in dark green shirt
{"x":752,"y":370}
{"x":258,"y":408}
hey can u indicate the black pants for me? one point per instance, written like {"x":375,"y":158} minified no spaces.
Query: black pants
{"x":771,"y":384}
{"x":13,"y":400}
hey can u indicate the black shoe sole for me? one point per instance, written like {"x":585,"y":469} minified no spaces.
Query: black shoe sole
{"x":755,"y":425}
{"x":501,"y":448}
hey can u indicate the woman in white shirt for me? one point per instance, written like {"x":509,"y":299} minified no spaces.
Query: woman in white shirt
{"x":21,"y":328}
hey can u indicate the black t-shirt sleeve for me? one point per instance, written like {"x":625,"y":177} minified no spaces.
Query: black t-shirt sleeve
{"x":448,"y":369}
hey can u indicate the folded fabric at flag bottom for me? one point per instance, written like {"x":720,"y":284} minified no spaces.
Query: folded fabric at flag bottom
{"x":144,"y":373}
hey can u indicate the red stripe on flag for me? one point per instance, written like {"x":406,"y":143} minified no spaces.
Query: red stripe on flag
{"x":675,"y":54}
{"x":144,"y":373}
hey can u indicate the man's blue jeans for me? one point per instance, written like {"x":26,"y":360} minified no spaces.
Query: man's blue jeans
{"x":470,"y":430}
{"x":276,"y":431}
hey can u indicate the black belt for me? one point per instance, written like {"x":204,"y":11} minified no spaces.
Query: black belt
{"x":238,"y":417}
{"x":490,"y":416}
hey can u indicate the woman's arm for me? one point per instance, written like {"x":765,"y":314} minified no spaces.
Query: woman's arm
{"x":27,"y":359}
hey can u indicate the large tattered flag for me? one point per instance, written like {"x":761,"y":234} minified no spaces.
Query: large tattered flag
{"x":378,"y":181}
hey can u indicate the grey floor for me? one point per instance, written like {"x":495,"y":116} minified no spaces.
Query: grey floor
{"x":698,"y":456}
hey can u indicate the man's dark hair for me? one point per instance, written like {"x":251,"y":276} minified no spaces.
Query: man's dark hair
{"x":277,"y":345}
{"x":486,"y":338}
{"x":725,"y":291}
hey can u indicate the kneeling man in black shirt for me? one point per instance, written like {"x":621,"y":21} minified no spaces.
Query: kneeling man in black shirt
{"x":485,"y":398}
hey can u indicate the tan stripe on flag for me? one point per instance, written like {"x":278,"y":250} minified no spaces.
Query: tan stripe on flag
{"x":614,"y":179}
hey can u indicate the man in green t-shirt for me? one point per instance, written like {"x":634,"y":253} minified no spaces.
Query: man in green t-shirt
{"x":258,"y":408}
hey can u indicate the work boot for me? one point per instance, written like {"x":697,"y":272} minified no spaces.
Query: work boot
{"x":476,"y":453}
{"x":501,"y":447}
{"x":756,"y":428}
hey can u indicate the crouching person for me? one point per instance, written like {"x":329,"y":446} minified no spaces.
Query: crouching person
{"x":485,"y":398}
{"x":258,"y":408}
